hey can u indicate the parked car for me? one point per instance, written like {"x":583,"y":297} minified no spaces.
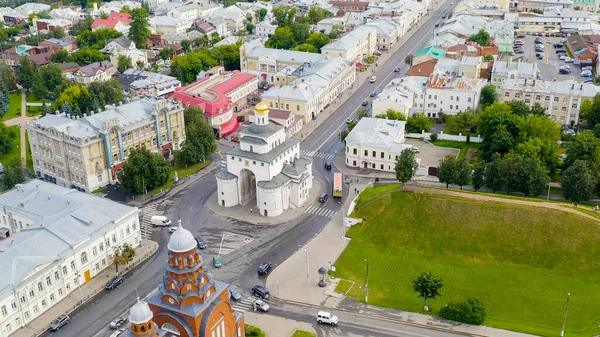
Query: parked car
{"x":520,"y":51}
{"x":200,"y":242}
{"x":586,"y":73}
{"x":437,"y":25}
{"x":569,"y":60}
{"x":558,"y":51}
{"x":349,"y":120}
{"x":365,"y":103}
{"x":587,"y":68}
{"x":326,"y":318}
{"x":261,"y":292}
{"x":113,"y":283}
{"x":563,"y":57}
{"x":558,"y":45}
{"x":117,"y":323}
{"x":541,"y":57}
{"x":264,"y":268}
{"x":373,"y":94}
{"x":160,"y":221}
{"x":564,"y":71}
{"x":261,"y":305}
{"x":217,"y":261}
{"x":323,"y":198}
{"x":235,"y":295}
{"x":397,"y":70}
{"x":59,"y":322}
{"x":117,"y":333}
{"x":416,"y":149}
{"x":373,"y":79}
{"x":521,"y":36}
{"x":235,"y":139}
{"x":328,"y":165}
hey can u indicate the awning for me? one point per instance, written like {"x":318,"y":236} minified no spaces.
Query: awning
{"x":264,"y":75}
{"x":358,"y":64}
{"x":229,"y":127}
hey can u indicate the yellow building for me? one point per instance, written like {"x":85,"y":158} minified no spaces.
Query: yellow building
{"x":354,"y":46}
{"x":561,"y":100}
{"x":87,"y":153}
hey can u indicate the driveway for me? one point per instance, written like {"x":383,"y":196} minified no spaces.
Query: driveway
{"x":430,"y":154}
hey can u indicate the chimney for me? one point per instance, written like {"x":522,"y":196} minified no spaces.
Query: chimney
{"x":98,"y":110}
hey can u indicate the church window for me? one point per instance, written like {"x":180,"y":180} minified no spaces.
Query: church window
{"x":143,"y":328}
{"x":262,"y":164}
{"x":189,"y":287}
{"x":232,"y":158}
{"x":254,"y":162}
{"x":134,"y":328}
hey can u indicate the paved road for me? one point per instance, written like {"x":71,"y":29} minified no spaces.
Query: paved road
{"x":256,"y":243}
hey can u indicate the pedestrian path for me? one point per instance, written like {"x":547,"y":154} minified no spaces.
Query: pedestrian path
{"x":318,"y":154}
{"x":320,"y":211}
{"x":146,"y":227}
{"x":244,"y":304}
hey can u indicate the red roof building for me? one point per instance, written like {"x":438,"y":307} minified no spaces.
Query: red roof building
{"x":112,"y":21}
{"x":220,"y":94}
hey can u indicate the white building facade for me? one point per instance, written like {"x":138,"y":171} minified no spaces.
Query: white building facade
{"x":266,"y":166}
{"x":48,"y":254}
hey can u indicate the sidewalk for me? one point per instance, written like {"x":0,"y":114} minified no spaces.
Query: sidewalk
{"x":80,"y":297}
{"x":274,"y":326}
{"x":288,"y":282}
{"x":248,"y":212}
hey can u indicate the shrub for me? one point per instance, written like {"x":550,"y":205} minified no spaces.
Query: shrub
{"x":470,"y":312}
{"x":252,"y":331}
{"x":433,"y":137}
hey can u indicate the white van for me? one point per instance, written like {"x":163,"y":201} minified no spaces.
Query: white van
{"x":160,"y":221}
{"x":327,"y":318}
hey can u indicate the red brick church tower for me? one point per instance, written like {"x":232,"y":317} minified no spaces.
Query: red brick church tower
{"x":190,"y":302}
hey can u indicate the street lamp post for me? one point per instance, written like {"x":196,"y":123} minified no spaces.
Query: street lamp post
{"x":367,"y":285}
{"x":562,"y":332}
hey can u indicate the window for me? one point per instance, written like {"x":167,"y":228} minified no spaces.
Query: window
{"x":13,"y":305}
{"x":60,"y":291}
{"x":354,"y":151}
{"x":35,"y":309}
{"x":507,"y":94}
{"x":101,"y":246}
{"x":127,"y":230}
{"x":32,"y":293}
{"x":56,"y":276}
{"x":94,"y":251}
{"x":114,"y":238}
{"x":374,"y":153}
{"x":65,"y":270}
{"x":366,"y":152}
{"x":451,"y":107}
{"x":8,"y":328}
{"x":517,"y":95}
{"x":44,"y":303}
{"x":40,"y":287}
{"x":26,"y":314}
{"x":382,"y":166}
{"x":452,"y":98}
{"x":51,"y":297}
{"x":555,"y":99}
{"x":48,"y":281}
{"x":84,"y":258}
{"x":382,"y":155}
{"x":4,"y":311}
{"x":574,"y":106}
{"x":23,"y":299}
{"x":68,"y":286}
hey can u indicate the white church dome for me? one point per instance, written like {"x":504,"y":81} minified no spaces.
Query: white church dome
{"x":181,"y":240}
{"x":140,"y":313}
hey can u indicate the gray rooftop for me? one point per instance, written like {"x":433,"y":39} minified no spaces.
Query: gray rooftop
{"x":289,"y":172}
{"x":140,"y":79}
{"x":61,"y":219}
{"x":377,"y":132}
{"x":264,"y":157}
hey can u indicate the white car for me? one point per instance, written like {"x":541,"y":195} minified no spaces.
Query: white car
{"x":117,"y":333}
{"x":563,"y":57}
{"x":172,"y":229}
{"x":261,"y":305}
{"x":416,"y":149}
{"x":324,"y":317}
{"x":373,"y":79}
{"x":349,"y":120}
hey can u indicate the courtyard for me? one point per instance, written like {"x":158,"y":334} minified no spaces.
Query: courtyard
{"x":521,"y":261}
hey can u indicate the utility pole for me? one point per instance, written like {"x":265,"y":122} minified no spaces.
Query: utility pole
{"x":367,"y":285}
{"x":307,"y":270}
{"x":562,"y":332}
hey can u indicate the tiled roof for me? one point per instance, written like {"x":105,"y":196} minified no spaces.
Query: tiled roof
{"x":112,"y":20}
{"x":94,"y":68}
{"x":422,"y":69}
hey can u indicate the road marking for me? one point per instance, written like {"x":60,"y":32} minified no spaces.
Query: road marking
{"x":242,"y":305}
{"x":318,"y":154}
{"x":321,"y":211}
{"x":146,"y":226}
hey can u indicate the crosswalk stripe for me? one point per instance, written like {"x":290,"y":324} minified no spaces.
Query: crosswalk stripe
{"x":148,"y":212}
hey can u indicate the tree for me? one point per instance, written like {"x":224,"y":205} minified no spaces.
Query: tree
{"x":249,"y":24}
{"x":4,"y":100}
{"x":493,"y":174}
{"x":489,"y":95}
{"x":316,"y":14}
{"x":166,"y":53}
{"x":61,"y":56}
{"x":7,"y":77}
{"x":58,"y":33}
{"x":428,"y":286}
{"x":146,"y":6}
{"x":478,"y":176}
{"x":200,"y":140}
{"x":186,"y":67}
{"x":144,"y":170}
{"x":26,"y":72}
{"x":214,"y":39}
{"x":283,"y":38}
{"x":578,"y":182}
{"x":585,"y":147}
{"x":463,"y":173}
{"x":284,"y":16}
{"x":7,"y":135}
{"x":81,"y":26}
{"x":447,"y":170}
{"x":262,"y":14}
{"x":461,"y":122}
{"x":336,"y":31}
{"x":470,"y":312}
{"x":318,"y":40}
{"x":519,"y":108}
{"x":123,"y":255}
{"x":537,"y":110}
{"x":309,"y":48}
{"x":97,"y":39}
{"x":13,"y":174}
{"x":482,"y":38}
{"x":301,"y":32}
{"x":488,"y":58}
{"x":406,"y":165}
{"x":408,"y":59}
{"x":418,"y":123}
{"x":87,"y":55}
{"x":525,"y":175}
{"x":186,"y":45}
{"x":138,"y":31}
{"x":48,"y":80}
{"x":123,"y":63}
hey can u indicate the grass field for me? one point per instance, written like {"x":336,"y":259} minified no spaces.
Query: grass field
{"x":31,"y":98}
{"x":521,"y":261}
{"x":463,"y":146}
{"x":302,"y":333}
{"x":182,"y":172}
{"x":14,"y":106}
{"x":6,"y":159}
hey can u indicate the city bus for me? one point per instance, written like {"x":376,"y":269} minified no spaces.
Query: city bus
{"x":337,"y":185}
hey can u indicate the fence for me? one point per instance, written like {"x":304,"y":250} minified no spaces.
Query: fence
{"x":442,"y":136}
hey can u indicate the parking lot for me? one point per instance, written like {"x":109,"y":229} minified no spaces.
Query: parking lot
{"x":431,"y":155}
{"x":548,"y":66}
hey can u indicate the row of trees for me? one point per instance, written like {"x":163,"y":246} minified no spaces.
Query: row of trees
{"x":296,"y":35}
{"x":415,"y":123}
{"x":187,"y":67}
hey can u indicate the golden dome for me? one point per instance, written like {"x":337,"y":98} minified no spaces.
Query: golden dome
{"x":261,"y":109}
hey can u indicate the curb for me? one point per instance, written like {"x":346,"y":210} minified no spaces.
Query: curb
{"x":68,"y":312}
{"x":383,"y":318}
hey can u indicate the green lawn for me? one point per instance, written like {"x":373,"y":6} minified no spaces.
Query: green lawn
{"x":14,"y":106}
{"x":568,"y":50}
{"x":372,"y":192}
{"x":34,"y":111}
{"x":462,"y":146}
{"x":31,"y":98}
{"x":29,"y":158}
{"x":6,"y":159}
{"x":521,"y":261}
{"x":182,"y":172}
{"x":302,"y":333}
{"x":252,"y":331}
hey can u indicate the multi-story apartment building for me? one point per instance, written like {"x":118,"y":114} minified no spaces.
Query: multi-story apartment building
{"x":503,"y":70}
{"x":354,"y":46}
{"x":86,"y":153}
{"x":586,"y":5}
{"x":95,"y":72}
{"x":58,"y":239}
{"x":306,"y":90}
{"x":561,"y":99}
{"x":388,"y":32}
{"x":139,"y":82}
{"x":528,"y":5}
